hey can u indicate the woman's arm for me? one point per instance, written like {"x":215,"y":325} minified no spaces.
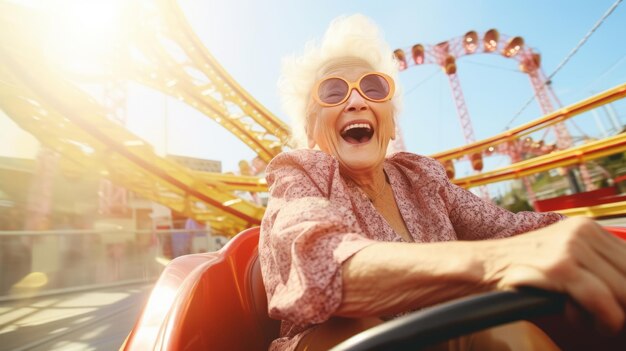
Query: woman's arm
{"x":390,"y":278}
{"x":574,"y":256}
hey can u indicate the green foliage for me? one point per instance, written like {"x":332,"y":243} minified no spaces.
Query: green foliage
{"x":519,"y":205}
{"x":515,"y":201}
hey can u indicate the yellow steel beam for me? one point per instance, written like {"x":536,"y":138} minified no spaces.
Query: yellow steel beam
{"x":550,"y":119}
{"x":603,"y":210}
{"x":576,"y":155}
{"x":73,"y":124}
{"x":231,"y":182}
{"x":224,"y":82}
{"x":175,"y":61}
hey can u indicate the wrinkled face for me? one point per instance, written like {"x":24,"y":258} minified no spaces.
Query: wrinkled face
{"x":357,"y":131}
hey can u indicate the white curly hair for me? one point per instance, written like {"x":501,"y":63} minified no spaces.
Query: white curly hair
{"x":349,"y":37}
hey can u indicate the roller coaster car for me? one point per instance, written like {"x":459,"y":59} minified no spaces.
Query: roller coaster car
{"x":216,"y":301}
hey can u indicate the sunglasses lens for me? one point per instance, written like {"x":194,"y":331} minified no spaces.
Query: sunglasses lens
{"x":332,"y":90}
{"x":374,"y":86}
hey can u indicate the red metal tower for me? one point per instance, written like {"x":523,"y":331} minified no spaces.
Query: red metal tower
{"x":445,"y":55}
{"x":530,"y":64}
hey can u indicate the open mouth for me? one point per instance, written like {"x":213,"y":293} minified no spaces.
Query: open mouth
{"x":357,"y":133}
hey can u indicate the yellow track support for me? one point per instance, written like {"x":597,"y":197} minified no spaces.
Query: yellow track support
{"x":576,"y":155}
{"x":73,"y":124}
{"x":550,"y":119}
{"x":231,"y":182}
{"x":603,"y":210}
{"x":175,"y":62}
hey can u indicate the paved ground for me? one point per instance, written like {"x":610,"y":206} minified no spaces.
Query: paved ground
{"x":91,"y":320}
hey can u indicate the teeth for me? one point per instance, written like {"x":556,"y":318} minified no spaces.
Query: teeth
{"x":356,"y":125}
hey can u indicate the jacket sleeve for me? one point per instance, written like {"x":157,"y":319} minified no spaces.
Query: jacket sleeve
{"x":306,"y":234}
{"x":472,"y":217}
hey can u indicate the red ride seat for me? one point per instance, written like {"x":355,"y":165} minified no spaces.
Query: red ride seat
{"x":209,"y":301}
{"x":217,"y":301}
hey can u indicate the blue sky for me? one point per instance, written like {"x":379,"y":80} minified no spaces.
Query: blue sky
{"x":249,"y":38}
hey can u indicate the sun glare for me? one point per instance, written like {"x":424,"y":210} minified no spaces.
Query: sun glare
{"x":160,"y":300}
{"x":83,"y":36}
{"x":95,"y":17}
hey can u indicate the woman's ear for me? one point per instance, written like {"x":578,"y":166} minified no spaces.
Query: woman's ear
{"x":393,"y":128}
{"x":311,"y":143}
{"x":309,"y":133}
{"x":310,"y":124}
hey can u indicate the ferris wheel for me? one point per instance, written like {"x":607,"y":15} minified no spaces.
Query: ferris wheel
{"x":446,"y":54}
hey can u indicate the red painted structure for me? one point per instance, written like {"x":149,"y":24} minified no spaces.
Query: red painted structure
{"x":584,"y":199}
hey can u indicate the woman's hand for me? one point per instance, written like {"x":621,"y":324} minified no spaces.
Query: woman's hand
{"x":575,"y":256}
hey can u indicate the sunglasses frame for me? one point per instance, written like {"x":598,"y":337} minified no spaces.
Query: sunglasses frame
{"x":354,"y":85}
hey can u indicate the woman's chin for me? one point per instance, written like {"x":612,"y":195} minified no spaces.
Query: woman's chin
{"x":356,"y":157}
{"x":360,"y":159}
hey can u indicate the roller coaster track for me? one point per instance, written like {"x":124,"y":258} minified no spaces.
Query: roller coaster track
{"x":174,"y":61}
{"x":571,"y":156}
{"x":72,"y":123}
{"x":74,"y":126}
{"x":603,"y":98}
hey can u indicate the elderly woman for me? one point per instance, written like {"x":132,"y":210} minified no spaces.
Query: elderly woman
{"x":352,"y":237}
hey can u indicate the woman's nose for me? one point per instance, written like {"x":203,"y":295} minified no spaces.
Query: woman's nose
{"x":355,"y":102}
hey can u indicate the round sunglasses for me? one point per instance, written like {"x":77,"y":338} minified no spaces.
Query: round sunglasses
{"x":373,"y":86}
